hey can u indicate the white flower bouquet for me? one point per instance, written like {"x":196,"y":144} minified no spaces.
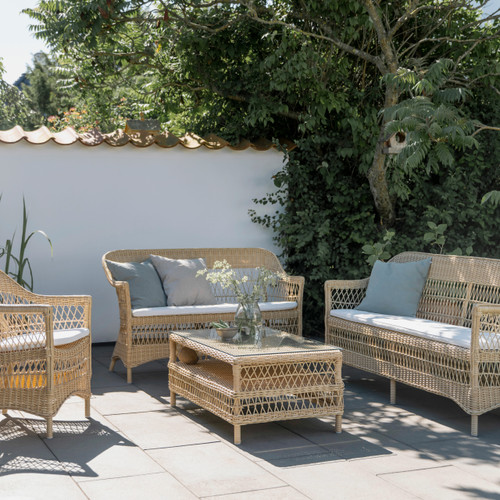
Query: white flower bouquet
{"x":227,"y":278}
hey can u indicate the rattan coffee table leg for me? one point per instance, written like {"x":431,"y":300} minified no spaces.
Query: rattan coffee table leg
{"x":237,"y":434}
{"x":237,"y":403}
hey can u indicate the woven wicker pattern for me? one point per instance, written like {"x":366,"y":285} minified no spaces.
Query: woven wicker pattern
{"x":146,"y":338}
{"x":35,"y":376}
{"x":463,"y":291}
{"x":260,"y":384}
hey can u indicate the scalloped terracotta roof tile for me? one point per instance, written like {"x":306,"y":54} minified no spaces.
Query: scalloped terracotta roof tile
{"x":142,"y":139}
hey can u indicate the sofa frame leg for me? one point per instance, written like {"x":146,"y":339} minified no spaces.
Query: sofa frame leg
{"x":113,"y":363}
{"x":393,"y":391}
{"x":474,"y":421}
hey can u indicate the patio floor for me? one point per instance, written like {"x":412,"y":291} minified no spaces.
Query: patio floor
{"x":136,"y":446}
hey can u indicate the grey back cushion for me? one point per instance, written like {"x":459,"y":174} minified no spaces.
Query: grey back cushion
{"x":395,"y":288}
{"x":180,"y":283}
{"x":143,"y":281}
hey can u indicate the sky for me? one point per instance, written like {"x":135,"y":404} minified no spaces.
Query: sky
{"x":17,"y":44}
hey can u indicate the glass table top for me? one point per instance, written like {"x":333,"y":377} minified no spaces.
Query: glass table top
{"x":272,"y":342}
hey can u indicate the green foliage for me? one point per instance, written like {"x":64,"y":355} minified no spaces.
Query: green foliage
{"x":44,"y":90}
{"x":492,"y":197}
{"x":436,"y":237}
{"x":379,"y":250}
{"x":323,"y":216}
{"x":15,"y":107}
{"x":434,"y":127}
{"x":21,"y":262}
{"x":219,"y":324}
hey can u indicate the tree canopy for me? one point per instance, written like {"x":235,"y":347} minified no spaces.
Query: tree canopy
{"x":16,"y":107}
{"x":339,"y":78}
{"x":287,"y":66}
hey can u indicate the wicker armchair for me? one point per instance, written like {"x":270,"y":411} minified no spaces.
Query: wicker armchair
{"x":459,"y":291}
{"x":144,"y":339}
{"x":45,"y":350}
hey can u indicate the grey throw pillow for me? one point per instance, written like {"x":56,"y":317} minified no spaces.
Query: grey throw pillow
{"x":143,"y":281}
{"x":180,"y":283}
{"x":395,"y":288}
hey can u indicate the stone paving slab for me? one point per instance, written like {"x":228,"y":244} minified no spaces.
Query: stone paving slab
{"x":28,"y":468}
{"x":37,"y":486}
{"x":469,"y":454}
{"x":161,"y":429}
{"x":214,"y":469}
{"x":159,"y":486}
{"x":282,"y":493}
{"x":326,"y":481}
{"x":102,"y":377}
{"x":124,"y":399}
{"x":443,"y":483}
{"x":154,"y":383}
{"x":406,"y":427}
{"x":345,"y":445}
{"x":267,"y":441}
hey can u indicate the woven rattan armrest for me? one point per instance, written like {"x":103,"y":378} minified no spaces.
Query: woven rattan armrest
{"x":486,"y":309}
{"x":291,"y":288}
{"x":485,"y":329}
{"x":70,"y":311}
{"x":25,"y":314}
{"x":25,"y":309}
{"x":344,"y":294}
{"x":57,"y":300}
{"x":122,"y":289}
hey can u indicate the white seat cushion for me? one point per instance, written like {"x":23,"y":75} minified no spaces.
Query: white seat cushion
{"x":443,"y":332}
{"x":35,"y":340}
{"x":208,"y":309}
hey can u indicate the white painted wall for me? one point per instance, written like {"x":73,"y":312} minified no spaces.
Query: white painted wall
{"x":93,"y":199}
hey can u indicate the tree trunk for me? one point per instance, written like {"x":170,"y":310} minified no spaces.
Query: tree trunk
{"x":378,"y":184}
{"x":377,"y":173}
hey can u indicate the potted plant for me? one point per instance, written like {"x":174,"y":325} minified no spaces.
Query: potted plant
{"x":247,"y":290}
{"x":224,"y":330}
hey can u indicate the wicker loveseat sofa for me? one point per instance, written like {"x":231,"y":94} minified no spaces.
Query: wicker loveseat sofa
{"x":143,"y":334}
{"x":451,"y":347}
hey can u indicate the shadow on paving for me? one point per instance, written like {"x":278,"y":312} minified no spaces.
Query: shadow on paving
{"x":288,"y":443}
{"x":432,"y":425}
{"x":23,"y":451}
{"x":475,"y":493}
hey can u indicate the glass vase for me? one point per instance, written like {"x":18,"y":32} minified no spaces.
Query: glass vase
{"x":248,"y":320}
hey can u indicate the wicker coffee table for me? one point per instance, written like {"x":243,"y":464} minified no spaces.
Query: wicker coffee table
{"x":285,"y":377}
